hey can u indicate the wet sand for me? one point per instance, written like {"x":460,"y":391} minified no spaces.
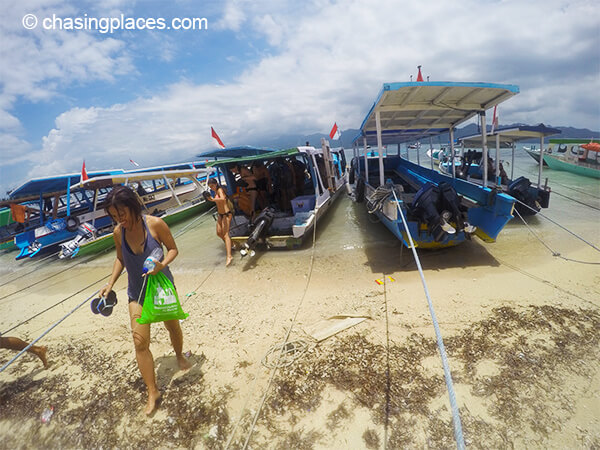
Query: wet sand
{"x":521,"y":327}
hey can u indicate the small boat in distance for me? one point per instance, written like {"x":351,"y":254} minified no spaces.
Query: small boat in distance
{"x":531,"y":198}
{"x":579,"y":156}
{"x":302,"y":184}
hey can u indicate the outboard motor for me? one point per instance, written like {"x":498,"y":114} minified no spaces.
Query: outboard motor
{"x":436,"y":206}
{"x":258,"y":230}
{"x":425,"y":206}
{"x":85,"y":231}
{"x":519,"y":189}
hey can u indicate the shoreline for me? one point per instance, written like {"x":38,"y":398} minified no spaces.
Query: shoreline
{"x":507,"y":297}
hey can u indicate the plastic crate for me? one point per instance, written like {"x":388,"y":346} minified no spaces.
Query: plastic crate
{"x":304,"y":203}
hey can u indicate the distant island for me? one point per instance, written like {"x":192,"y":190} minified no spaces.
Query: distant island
{"x":347,"y":136}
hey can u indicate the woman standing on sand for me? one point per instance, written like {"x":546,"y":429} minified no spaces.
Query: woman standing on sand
{"x":135,"y":237}
{"x":225,"y":214}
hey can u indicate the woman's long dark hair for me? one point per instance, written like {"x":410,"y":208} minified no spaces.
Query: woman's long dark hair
{"x":121,"y":196}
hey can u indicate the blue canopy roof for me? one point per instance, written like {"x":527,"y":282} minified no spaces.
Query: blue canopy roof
{"x":416,"y":110}
{"x":50,"y":186}
{"x":235,"y":152}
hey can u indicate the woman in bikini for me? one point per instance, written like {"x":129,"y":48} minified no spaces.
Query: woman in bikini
{"x":136,"y":236}
{"x":225,"y":214}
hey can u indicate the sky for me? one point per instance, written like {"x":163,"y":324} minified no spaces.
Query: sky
{"x":258,"y":69}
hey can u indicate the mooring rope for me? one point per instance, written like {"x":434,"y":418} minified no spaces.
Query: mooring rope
{"x":559,"y":225}
{"x":47,"y":331}
{"x":554,"y":253}
{"x":179,"y":233}
{"x":576,"y":201}
{"x":458,"y":434}
{"x":282,"y":351}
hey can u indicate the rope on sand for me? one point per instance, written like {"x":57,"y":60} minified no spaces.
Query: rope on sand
{"x":276,"y":364}
{"x":72,"y":295}
{"x":47,"y":331}
{"x":560,"y":226}
{"x":458,"y":435}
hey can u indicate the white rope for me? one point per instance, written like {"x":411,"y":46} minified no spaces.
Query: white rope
{"x":458,"y":435}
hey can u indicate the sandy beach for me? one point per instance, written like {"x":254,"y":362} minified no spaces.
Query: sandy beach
{"x":521,"y":328}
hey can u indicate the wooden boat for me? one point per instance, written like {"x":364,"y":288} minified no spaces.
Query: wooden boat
{"x":45,"y":211}
{"x":303,"y":183}
{"x":578,"y":156}
{"x":531,"y":198}
{"x":437,"y":209}
{"x":173,"y":195}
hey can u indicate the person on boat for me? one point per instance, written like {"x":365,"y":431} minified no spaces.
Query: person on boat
{"x":248,"y":181}
{"x":136,"y":236}
{"x":225,"y":214}
{"x":14,"y":343}
{"x":263,"y":184}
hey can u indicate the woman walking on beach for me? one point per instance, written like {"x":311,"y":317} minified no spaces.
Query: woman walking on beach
{"x":225,"y":214}
{"x":136,"y":236}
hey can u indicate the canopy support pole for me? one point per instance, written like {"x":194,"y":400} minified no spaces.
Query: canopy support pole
{"x":379,"y":147}
{"x":431,"y":151}
{"x":498,"y":179}
{"x":452,"y":152}
{"x":541,"y":161}
{"x":484,"y":157}
{"x":366,"y":160}
{"x":512,"y":162}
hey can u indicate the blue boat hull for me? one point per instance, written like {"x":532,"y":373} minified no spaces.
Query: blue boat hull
{"x":488,"y":210}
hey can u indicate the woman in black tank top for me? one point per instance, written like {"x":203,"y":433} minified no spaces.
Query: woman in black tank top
{"x":136,"y":234}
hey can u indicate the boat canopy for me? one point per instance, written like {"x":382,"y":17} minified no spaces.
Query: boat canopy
{"x":416,"y":110}
{"x":235,"y":152}
{"x":178,"y":166}
{"x":126,"y":177}
{"x":510,"y":135}
{"x":271,"y":154}
{"x":50,"y":186}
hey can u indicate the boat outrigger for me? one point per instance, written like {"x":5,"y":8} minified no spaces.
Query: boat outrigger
{"x":302,"y":184}
{"x":531,"y":198}
{"x":439,"y":210}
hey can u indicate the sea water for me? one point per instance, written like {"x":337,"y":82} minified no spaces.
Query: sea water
{"x":346,"y":228}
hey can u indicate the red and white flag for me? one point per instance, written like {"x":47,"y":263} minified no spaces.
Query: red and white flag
{"x":134,"y":163}
{"x":495,"y":120}
{"x":84,"y":175}
{"x":333,"y":130}
{"x":216,"y":138}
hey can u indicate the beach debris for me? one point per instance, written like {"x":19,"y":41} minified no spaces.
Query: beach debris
{"x":380,"y":281}
{"x":47,"y":414}
{"x":333,"y":325}
{"x":189,"y":294}
{"x":188,"y":354}
{"x":283,"y":355}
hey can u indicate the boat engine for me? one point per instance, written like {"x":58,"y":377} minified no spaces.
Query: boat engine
{"x":519,"y":189}
{"x":68,"y":249}
{"x":258,"y":229}
{"x":437,"y":206}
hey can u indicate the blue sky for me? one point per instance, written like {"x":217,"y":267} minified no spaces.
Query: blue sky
{"x":268,"y":68}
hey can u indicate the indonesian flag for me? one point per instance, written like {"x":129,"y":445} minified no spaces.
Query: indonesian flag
{"x":84,"y":175}
{"x":216,"y":138}
{"x":333,"y":130}
{"x":134,"y":163}
{"x":495,"y":120}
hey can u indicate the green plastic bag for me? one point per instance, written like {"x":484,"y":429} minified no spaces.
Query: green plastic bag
{"x":161,"y":301}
